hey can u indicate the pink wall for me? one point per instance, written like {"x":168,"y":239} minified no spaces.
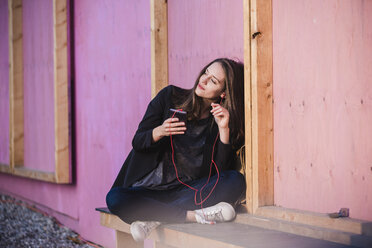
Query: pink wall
{"x":38,"y":66}
{"x":323,"y":105}
{"x":112,"y":44}
{"x":321,"y":144}
{"x":4,"y":83}
{"x":199,"y":32}
{"x":112,"y":89}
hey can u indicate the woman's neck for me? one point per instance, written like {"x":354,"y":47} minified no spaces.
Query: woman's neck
{"x":205,"y":110}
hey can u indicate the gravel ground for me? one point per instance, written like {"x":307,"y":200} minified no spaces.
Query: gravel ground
{"x":22,"y":225}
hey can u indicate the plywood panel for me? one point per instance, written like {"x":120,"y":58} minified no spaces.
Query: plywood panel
{"x":323,"y":105}
{"x":38,"y":85}
{"x":199,"y":32}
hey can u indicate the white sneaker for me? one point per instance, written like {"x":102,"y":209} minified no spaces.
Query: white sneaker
{"x":220,"y":212}
{"x":140,"y":230}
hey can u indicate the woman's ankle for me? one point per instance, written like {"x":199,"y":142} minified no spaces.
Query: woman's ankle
{"x":190,"y":216}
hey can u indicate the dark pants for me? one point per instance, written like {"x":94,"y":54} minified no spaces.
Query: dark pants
{"x":170,"y":206}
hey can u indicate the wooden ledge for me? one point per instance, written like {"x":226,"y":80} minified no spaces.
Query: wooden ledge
{"x":316,"y":219}
{"x":194,"y":235}
{"x":249,"y":229}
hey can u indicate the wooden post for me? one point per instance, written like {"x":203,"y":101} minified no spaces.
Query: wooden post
{"x":262,"y":103}
{"x":258,"y":103}
{"x":247,"y":104}
{"x":61,"y":118}
{"x":159,"y":45}
{"x":16,"y":131}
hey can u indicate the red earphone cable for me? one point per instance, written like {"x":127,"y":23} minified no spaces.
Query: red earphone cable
{"x":210,"y":172}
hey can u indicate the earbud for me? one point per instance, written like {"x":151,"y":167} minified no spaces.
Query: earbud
{"x":222,"y":97}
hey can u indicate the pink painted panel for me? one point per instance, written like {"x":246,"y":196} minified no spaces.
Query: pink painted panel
{"x":323,"y":105}
{"x":56,"y":199}
{"x":38,"y":85}
{"x":199,"y":32}
{"x":113,"y":88}
{"x":4,"y":83}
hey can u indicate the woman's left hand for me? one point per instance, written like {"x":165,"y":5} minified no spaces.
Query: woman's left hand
{"x":221,"y":116}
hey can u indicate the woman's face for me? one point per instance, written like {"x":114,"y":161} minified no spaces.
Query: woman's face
{"x":212,"y":83}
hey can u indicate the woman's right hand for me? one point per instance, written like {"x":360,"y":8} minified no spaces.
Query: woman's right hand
{"x":170,"y":126}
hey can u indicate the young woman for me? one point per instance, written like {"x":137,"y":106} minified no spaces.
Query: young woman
{"x":183,"y":171}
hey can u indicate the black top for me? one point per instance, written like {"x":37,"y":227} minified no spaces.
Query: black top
{"x":146,"y":156}
{"x":188,"y":158}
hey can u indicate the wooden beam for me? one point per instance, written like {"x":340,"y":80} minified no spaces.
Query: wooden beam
{"x":6,"y":168}
{"x":61,"y":101}
{"x":159,"y":45}
{"x":262,"y":103}
{"x":316,"y":219}
{"x":112,"y":221}
{"x":16,"y":127}
{"x":247,"y":105}
{"x":124,"y":240}
{"x":29,"y":173}
{"x":35,"y":174}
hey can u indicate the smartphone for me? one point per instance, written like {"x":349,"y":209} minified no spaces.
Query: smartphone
{"x":181,"y":115}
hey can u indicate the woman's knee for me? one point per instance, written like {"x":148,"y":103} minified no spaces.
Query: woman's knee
{"x":234,"y":178}
{"x":111,"y":200}
{"x":115,"y":199}
{"x":120,"y":203}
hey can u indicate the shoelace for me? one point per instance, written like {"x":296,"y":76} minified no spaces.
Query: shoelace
{"x":215,"y":215}
{"x":147,"y":227}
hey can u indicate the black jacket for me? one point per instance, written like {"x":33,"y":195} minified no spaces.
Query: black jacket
{"x":145,"y":155}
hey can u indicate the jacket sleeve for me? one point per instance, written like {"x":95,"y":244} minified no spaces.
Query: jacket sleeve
{"x":142,"y":140}
{"x":223,"y":155}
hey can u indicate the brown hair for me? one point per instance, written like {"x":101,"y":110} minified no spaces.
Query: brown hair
{"x":233,"y":102}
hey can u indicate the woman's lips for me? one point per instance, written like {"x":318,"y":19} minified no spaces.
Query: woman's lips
{"x":200,"y":87}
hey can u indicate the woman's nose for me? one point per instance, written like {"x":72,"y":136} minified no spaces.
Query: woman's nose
{"x":205,"y":79}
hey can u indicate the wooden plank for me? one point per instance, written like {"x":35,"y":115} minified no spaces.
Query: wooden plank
{"x":16,"y":127}
{"x":61,"y":115}
{"x":159,"y":45}
{"x":29,"y":173}
{"x":262,"y":103}
{"x":171,"y":236}
{"x":35,"y":174}
{"x":316,"y":219}
{"x":297,"y":229}
{"x":161,"y":245}
{"x":124,"y":240}
{"x":247,"y":105}
{"x":114,"y":222}
{"x":5,"y":168}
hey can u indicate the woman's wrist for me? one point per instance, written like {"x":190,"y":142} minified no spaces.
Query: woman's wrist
{"x":156,"y":136}
{"x":224,"y":135}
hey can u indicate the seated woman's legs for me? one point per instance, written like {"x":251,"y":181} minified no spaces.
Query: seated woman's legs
{"x":132,"y":204}
{"x":230,"y":188}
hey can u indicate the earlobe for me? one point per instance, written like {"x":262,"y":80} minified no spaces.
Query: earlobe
{"x":223,"y":95}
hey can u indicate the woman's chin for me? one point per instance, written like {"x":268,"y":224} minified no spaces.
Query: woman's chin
{"x":198,"y":92}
